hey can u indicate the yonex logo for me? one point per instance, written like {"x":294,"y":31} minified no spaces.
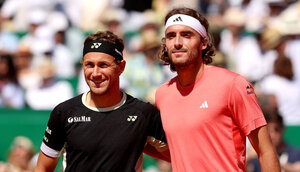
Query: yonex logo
{"x":96,"y":45}
{"x":131,"y":118}
{"x":177,"y":19}
{"x":204,"y":105}
{"x":79,"y":119}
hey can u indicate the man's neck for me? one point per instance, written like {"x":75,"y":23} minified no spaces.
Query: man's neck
{"x":105,"y":100}
{"x":189,"y":75}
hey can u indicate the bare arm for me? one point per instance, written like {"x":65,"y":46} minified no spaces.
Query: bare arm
{"x":152,"y":151}
{"x":157,"y":149}
{"x":261,"y":142}
{"x":46,"y":163}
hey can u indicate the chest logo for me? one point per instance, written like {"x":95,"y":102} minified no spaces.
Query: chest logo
{"x":79,"y":119}
{"x":131,"y":118}
{"x":204,"y":105}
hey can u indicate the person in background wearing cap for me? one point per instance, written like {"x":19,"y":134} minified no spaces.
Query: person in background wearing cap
{"x":104,"y":129}
{"x":289,"y":155}
{"x":207,"y":111}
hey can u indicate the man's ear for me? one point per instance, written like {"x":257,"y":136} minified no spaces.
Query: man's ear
{"x":122,"y":66}
{"x":204,"y":43}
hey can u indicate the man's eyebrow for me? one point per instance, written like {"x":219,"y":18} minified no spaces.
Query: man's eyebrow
{"x":186,"y":31}
{"x":169,"y":33}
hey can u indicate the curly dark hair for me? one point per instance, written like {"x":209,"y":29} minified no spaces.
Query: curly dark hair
{"x":105,"y":36}
{"x":206,"y":53}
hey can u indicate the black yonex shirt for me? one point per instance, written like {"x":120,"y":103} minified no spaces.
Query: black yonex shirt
{"x":105,"y":140}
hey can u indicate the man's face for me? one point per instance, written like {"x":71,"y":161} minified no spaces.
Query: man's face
{"x":184,"y":45}
{"x":102,"y":72}
{"x":276,"y":133}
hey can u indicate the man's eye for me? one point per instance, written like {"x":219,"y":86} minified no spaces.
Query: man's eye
{"x":186,"y":35}
{"x":170,"y":36}
{"x":103,"y":65}
{"x":88,"y":65}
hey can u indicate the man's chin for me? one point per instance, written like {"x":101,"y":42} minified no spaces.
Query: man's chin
{"x":98,"y":91}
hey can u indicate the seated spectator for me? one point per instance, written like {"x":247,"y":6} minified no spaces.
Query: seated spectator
{"x":61,"y":54}
{"x":8,"y":40}
{"x":19,"y":157}
{"x":289,"y":156}
{"x":26,"y":75}
{"x":11,"y":94}
{"x":50,"y":91}
{"x":144,"y":73}
{"x":240,"y":49}
{"x":286,"y":91}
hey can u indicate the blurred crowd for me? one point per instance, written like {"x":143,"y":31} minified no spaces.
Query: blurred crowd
{"x":41,"y":47}
{"x":21,"y":157}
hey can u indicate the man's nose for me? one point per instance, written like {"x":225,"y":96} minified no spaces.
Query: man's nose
{"x":178,"y":42}
{"x":96,"y":71}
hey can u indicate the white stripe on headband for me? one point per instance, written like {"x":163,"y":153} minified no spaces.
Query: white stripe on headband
{"x":186,"y":20}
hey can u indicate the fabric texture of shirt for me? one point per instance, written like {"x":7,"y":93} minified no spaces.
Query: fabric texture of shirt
{"x":206,"y":123}
{"x":110,"y":139}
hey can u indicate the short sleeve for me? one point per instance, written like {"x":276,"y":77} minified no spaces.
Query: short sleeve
{"x":54,"y":137}
{"x":156,"y":128}
{"x":244,"y":106}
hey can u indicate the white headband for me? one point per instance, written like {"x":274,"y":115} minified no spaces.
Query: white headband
{"x":186,"y":20}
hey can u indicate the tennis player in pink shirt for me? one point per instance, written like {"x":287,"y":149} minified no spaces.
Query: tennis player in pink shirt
{"x":207,"y":112}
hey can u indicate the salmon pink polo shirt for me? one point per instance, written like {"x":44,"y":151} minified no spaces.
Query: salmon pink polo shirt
{"x":206,"y":123}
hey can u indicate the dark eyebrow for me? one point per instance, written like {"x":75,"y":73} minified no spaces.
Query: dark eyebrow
{"x":186,"y":31}
{"x":170,"y":33}
{"x":181,"y":32}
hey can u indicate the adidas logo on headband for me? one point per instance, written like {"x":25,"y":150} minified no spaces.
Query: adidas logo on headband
{"x":96,"y":45}
{"x":182,"y":19}
{"x":177,"y":19}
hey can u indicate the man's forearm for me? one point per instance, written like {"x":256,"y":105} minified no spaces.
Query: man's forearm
{"x":269,"y":162}
{"x":151,"y":151}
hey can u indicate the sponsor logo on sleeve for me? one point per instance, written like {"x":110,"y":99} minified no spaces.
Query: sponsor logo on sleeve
{"x":46,"y":139}
{"x":249,"y":89}
{"x":48,"y":130}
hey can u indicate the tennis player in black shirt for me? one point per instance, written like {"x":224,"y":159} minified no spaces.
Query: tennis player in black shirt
{"x":103,"y":129}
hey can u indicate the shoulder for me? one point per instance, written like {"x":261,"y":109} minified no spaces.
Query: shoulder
{"x":166,"y":85}
{"x":70,"y":103}
{"x":234,"y":83}
{"x":222,"y":76}
{"x":220,"y":72}
{"x":139,"y":105}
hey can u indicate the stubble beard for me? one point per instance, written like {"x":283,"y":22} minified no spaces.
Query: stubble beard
{"x":191,"y":59}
